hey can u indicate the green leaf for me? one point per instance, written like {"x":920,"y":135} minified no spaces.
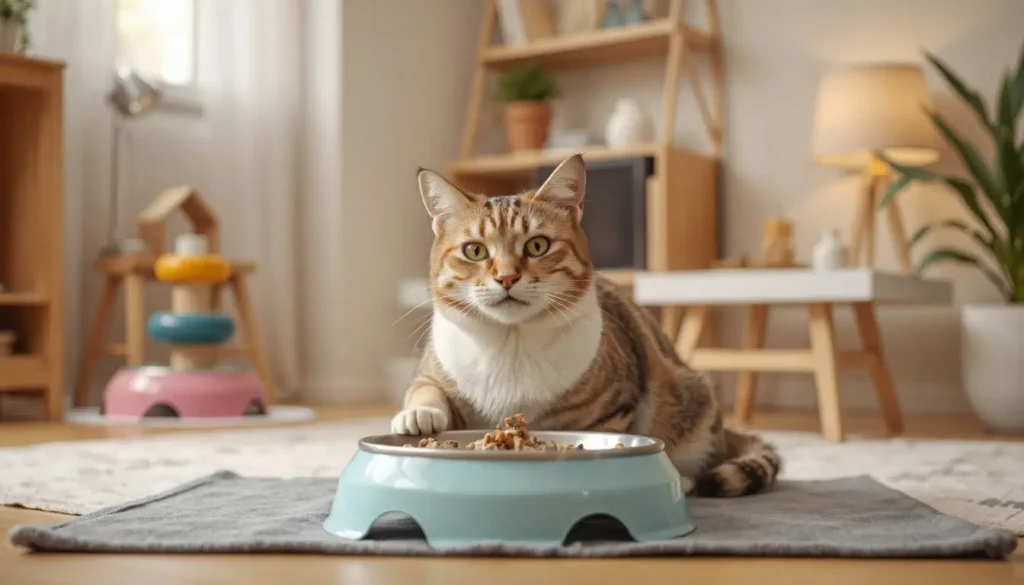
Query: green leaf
{"x":1013,"y":173}
{"x":1018,"y":79}
{"x":972,"y":161}
{"x":894,"y":187}
{"x":962,"y":188}
{"x":529,"y":82}
{"x":970,"y":200}
{"x":1011,"y":98}
{"x":952,"y":255}
{"x":1015,"y":218}
{"x":925,"y":229}
{"x":972,"y":97}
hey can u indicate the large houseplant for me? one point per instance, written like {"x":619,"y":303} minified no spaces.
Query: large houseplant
{"x":526,"y":94}
{"x":992,"y":335}
{"x":14,"y":24}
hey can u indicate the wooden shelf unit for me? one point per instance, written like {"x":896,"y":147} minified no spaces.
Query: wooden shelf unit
{"x":31,"y":227}
{"x":682,"y":193}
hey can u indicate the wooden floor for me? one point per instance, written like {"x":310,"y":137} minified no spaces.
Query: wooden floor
{"x":20,"y":568}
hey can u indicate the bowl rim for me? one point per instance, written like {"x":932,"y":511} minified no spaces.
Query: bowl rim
{"x":392,"y":444}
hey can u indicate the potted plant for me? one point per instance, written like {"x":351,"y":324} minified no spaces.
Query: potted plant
{"x":992,"y":335}
{"x":14,"y":24}
{"x":526,"y":93}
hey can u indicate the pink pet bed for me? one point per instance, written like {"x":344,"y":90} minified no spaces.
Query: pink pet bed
{"x":161,"y":392}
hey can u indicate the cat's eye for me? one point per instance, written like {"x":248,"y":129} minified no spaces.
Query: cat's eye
{"x":474,"y":251}
{"x":537,"y":246}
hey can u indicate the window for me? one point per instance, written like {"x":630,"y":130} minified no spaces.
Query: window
{"x":157,"y":38}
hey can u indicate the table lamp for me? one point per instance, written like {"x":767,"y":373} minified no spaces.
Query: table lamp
{"x":864,"y":109}
{"x":131,"y":96}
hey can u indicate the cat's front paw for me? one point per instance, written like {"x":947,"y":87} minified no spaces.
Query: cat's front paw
{"x":420,"y":420}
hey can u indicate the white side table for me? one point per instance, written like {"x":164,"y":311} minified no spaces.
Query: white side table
{"x":693,"y":293}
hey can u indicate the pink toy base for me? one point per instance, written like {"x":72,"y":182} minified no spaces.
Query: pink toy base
{"x":200,"y":394}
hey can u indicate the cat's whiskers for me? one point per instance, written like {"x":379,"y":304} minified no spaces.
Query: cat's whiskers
{"x":569,"y":319}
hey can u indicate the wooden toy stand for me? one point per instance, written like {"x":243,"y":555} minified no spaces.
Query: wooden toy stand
{"x":134,"y":270}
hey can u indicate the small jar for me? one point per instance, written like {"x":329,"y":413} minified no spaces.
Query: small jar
{"x":627,"y":125}
{"x":830,"y":252}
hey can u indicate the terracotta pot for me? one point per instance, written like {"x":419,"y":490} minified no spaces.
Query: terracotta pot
{"x":527,"y":124}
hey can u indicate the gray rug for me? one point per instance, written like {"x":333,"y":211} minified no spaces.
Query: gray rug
{"x":853,"y":517}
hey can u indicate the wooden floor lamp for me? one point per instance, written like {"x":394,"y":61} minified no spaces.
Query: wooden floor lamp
{"x":867,"y":109}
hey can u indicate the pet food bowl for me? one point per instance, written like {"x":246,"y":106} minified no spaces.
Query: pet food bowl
{"x":463,"y":497}
{"x":156,"y":391}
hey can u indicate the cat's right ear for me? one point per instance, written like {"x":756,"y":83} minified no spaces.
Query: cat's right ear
{"x":441,"y":198}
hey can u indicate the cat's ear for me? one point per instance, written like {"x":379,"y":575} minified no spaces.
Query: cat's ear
{"x":566,"y":185}
{"x":441,"y":198}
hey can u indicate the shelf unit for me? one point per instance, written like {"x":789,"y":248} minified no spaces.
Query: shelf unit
{"x":31,"y":227}
{"x":681,"y":209}
{"x":681,"y":225}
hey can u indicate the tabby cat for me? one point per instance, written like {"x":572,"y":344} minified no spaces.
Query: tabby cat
{"x":521,"y":323}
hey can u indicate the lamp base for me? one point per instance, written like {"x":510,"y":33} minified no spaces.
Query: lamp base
{"x":876,"y":178}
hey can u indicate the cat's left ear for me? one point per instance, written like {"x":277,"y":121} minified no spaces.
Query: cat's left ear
{"x":566,"y":185}
{"x":441,"y":198}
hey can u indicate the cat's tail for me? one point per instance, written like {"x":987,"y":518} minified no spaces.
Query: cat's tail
{"x":751,"y":466}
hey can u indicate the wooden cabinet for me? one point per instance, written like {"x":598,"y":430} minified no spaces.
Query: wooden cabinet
{"x":32,"y":228}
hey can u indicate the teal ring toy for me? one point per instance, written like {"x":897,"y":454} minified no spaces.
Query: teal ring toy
{"x":191,"y":328}
{"x":462,"y":497}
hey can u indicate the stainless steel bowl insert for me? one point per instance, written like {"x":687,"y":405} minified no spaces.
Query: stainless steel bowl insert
{"x":595,"y":446}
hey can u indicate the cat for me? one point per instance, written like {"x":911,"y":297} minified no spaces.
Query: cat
{"x":522,"y":324}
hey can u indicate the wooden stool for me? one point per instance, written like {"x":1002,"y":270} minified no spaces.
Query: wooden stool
{"x":133,"y":271}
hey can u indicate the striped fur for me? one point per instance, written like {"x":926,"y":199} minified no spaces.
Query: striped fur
{"x":567,"y":349}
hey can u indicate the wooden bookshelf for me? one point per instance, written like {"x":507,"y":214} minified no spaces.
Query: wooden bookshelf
{"x":681,"y":195}
{"x":31,"y":228}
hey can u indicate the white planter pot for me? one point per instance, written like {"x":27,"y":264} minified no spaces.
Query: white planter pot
{"x":992,"y":364}
{"x":8,"y":35}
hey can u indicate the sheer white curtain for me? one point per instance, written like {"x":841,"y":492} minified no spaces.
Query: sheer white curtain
{"x":268,"y":144}
{"x":250,"y":76}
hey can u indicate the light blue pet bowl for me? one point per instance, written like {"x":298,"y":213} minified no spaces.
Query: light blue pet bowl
{"x":531,"y":498}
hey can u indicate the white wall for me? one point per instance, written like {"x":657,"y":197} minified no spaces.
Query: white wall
{"x":775,"y":53}
{"x":406,"y":77}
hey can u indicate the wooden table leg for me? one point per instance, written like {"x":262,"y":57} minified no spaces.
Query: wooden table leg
{"x":746,"y":380}
{"x":135,"y":319}
{"x":689,"y":334}
{"x":243,"y":303}
{"x":826,"y":378}
{"x":867,"y":327}
{"x":216,"y":295}
{"x":671,"y":320}
{"x":97,"y":339}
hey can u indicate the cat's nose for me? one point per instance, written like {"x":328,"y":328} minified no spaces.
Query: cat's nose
{"x":507,"y":280}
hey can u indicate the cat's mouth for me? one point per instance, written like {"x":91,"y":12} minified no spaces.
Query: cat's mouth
{"x":508,"y":300}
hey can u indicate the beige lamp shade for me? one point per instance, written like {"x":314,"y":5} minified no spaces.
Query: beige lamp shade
{"x":879,"y":107}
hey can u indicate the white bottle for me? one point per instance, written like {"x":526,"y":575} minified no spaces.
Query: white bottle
{"x":829,"y":253}
{"x":627,"y":125}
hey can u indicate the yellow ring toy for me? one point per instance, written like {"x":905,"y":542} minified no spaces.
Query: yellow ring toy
{"x":198,"y":269}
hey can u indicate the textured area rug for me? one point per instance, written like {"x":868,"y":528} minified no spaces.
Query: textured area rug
{"x":853,"y":517}
{"x":978,"y":481}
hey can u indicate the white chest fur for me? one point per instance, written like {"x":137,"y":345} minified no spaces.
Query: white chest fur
{"x":503,"y":370}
